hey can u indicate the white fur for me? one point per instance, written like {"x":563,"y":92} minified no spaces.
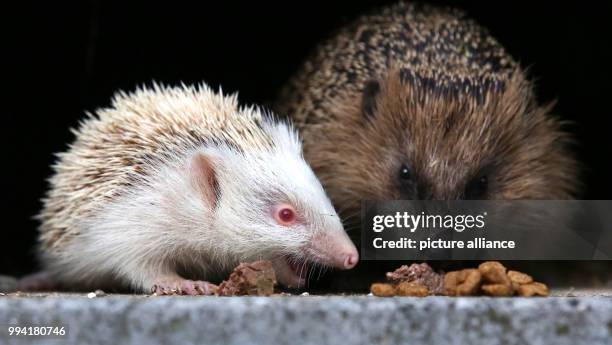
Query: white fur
{"x":161,"y":225}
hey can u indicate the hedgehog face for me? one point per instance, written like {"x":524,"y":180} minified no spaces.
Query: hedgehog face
{"x":272,"y":206}
{"x":410,"y":139}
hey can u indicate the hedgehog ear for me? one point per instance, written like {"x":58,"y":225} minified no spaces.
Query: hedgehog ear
{"x":203,"y":175}
{"x":368,"y":98}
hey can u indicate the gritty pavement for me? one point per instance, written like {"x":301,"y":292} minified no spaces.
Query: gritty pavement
{"x":583,"y":317}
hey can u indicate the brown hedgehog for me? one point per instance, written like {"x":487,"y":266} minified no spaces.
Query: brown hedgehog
{"x":416,"y":102}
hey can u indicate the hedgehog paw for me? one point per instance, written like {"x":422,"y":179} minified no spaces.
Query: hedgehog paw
{"x":184,"y":287}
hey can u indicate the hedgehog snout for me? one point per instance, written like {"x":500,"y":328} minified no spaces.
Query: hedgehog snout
{"x":334,"y":249}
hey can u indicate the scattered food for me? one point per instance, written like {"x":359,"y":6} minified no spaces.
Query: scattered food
{"x":382,"y":290}
{"x":254,"y":279}
{"x":498,"y":282}
{"x":519,"y":277}
{"x":499,"y":290}
{"x":417,"y":280}
{"x":532,"y":289}
{"x":411,"y":289}
{"x":494,"y":272}
{"x":491,"y":278}
{"x":462,"y":283}
{"x":421,"y":274}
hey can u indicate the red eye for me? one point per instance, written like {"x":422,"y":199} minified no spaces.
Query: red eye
{"x":285,"y":215}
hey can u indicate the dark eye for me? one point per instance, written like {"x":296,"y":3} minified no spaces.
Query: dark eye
{"x":477,"y":188}
{"x":405,"y":173}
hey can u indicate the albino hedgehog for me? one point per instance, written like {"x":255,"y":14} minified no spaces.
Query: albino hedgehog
{"x":171,"y":186}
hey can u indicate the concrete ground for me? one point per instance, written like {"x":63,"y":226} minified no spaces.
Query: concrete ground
{"x":572,"y":316}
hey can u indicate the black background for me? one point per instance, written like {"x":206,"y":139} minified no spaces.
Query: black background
{"x":64,"y":59}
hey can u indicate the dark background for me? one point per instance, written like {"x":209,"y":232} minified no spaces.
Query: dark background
{"x":64,"y":59}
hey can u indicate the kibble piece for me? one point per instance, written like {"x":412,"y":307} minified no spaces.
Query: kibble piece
{"x":497,"y":290}
{"x":519,"y":277}
{"x":411,"y":289}
{"x":451,"y":281}
{"x":382,"y":290}
{"x":491,"y":278}
{"x":532,"y":289}
{"x":470,"y":284}
{"x":403,"y":273}
{"x":493,"y":272}
{"x":462,"y":283}
{"x":255,"y":279}
{"x":421,"y":274}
